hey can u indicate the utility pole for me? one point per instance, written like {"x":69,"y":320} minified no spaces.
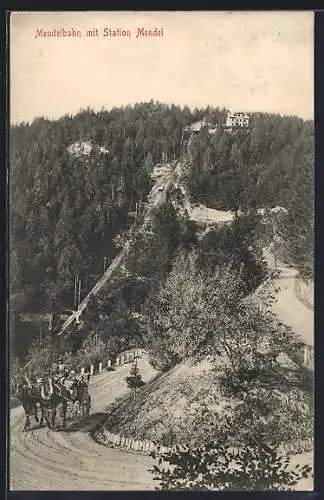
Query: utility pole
{"x":76,"y":279}
{"x":50,"y":322}
{"x":181,"y":138}
{"x":79,"y":293}
{"x":164,"y":158}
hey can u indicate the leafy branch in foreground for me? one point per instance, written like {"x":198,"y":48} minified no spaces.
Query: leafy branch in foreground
{"x":218,"y":467}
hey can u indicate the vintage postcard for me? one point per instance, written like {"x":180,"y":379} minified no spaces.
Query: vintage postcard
{"x":161,"y":251}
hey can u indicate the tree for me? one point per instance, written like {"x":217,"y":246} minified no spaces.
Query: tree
{"x":93,"y":350}
{"x":41,"y":355}
{"x":134,"y":381}
{"x":239,"y":245}
{"x":66,"y":208}
{"x":189,"y":309}
{"x":215,"y":466}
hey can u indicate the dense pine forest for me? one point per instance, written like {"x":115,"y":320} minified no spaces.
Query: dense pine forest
{"x":76,"y":183}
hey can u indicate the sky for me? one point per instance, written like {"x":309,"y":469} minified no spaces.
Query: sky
{"x":245,"y":61}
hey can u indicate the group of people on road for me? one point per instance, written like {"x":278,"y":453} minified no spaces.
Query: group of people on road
{"x":60,"y":389}
{"x":65,"y":382}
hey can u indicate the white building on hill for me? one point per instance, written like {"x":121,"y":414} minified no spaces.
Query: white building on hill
{"x":237,"y":120}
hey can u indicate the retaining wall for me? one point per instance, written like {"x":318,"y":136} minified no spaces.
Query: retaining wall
{"x":147,"y":446}
{"x":305,"y":292}
{"x":305,"y":356}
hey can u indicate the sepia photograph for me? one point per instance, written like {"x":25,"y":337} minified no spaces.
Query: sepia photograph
{"x":161,"y":251}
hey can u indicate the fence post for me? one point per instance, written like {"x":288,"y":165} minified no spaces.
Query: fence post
{"x":109,"y":363}
{"x":260,"y":306}
{"x":117,"y":361}
{"x":91,"y":369}
{"x":152,"y":446}
{"x":122,"y":359}
{"x":100,"y":367}
{"x":82,"y":370}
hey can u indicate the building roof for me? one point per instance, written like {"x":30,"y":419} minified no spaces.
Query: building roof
{"x":237,"y":113}
{"x":196,"y":126}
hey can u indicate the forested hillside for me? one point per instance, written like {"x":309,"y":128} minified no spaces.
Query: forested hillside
{"x":66,"y":207}
{"x":70,"y":206}
{"x":269,"y":164}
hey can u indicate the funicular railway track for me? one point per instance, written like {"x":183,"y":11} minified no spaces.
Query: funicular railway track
{"x":69,"y":459}
{"x":156,"y":196}
{"x":42,"y":459}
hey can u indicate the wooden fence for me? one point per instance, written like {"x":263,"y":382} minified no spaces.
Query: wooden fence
{"x":121,"y":359}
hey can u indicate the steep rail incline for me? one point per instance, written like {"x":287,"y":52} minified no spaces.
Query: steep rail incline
{"x":156,"y":196}
{"x":103,"y":280}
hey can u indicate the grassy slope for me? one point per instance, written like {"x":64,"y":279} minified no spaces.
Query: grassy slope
{"x":186,"y":404}
{"x":166,"y":405}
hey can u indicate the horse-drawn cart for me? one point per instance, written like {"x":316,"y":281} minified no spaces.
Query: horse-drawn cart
{"x":69,"y":394}
{"x":78,"y":399}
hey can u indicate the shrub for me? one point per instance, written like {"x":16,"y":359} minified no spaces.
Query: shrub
{"x":41,"y":356}
{"x":217,"y":467}
{"x":93,"y":350}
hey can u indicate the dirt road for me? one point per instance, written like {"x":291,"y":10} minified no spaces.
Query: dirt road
{"x":291,"y":311}
{"x":295,"y":314}
{"x":42,"y":459}
{"x":70,"y":460}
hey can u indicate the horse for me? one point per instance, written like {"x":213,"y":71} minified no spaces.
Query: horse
{"x":30,"y":397}
{"x":83,"y":396}
{"x":57,"y":395}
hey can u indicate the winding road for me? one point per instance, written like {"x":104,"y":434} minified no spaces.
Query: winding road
{"x":289,"y":308}
{"x":41,"y":459}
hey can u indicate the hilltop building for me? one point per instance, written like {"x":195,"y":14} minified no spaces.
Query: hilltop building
{"x":237,"y":120}
{"x":194,"y":128}
{"x":199,"y":125}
